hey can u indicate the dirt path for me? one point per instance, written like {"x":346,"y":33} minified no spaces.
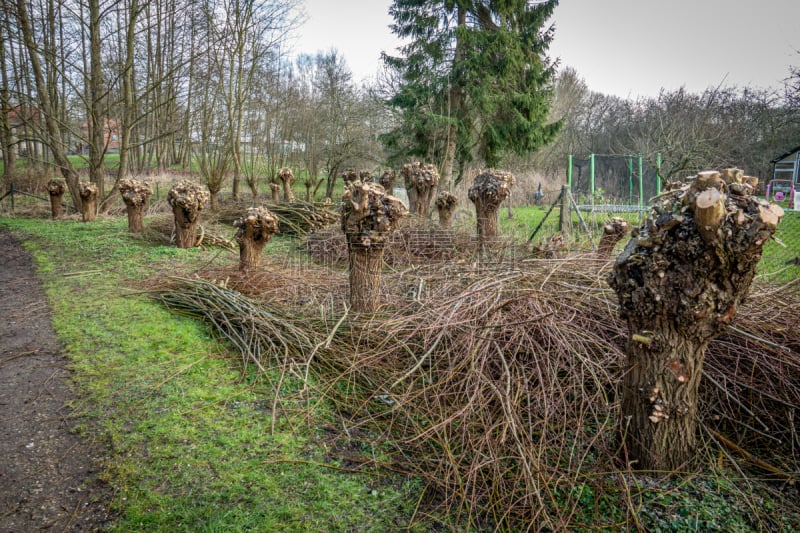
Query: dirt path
{"x":46,"y":477}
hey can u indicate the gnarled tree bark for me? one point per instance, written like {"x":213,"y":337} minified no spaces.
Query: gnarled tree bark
{"x":445,"y":204}
{"x":187,"y":200}
{"x":488,"y":192}
{"x":88,"y":194}
{"x":255,"y":230}
{"x":135,"y":194}
{"x":369,"y":216}
{"x":679,"y":281}
{"x":56,"y":190}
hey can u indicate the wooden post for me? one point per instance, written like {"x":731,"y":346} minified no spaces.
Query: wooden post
{"x":565,"y":220}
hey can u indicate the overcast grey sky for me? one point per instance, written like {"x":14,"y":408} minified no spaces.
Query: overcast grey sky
{"x":623,"y":47}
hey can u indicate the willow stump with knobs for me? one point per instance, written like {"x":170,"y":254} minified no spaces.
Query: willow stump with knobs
{"x":349,"y":176}
{"x":446,"y":203}
{"x":56,"y":190}
{"x":488,"y":192}
{"x":369,"y":216}
{"x":88,"y":194}
{"x":421,"y":181}
{"x":387,"y":180}
{"x":287,"y":177}
{"x":135,"y":194}
{"x":254,"y":230}
{"x":275,"y":191}
{"x":613,"y":231}
{"x":187,"y":200}
{"x":679,"y":282}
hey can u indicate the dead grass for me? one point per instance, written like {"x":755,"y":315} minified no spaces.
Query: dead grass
{"x":497,"y":382}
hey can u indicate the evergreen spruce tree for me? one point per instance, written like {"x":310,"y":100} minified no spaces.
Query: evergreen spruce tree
{"x":476,"y":80}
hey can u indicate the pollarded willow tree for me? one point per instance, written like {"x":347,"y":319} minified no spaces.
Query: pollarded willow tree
{"x":475,"y":80}
{"x":135,"y":194}
{"x":489,"y":191}
{"x":420,"y":181}
{"x":56,"y":189}
{"x":387,"y":180}
{"x":369,"y":216}
{"x":255,"y":229}
{"x":187,"y":200}
{"x":88,"y":194}
{"x":680,"y":281}
{"x":287,"y":178}
{"x":446,"y":203}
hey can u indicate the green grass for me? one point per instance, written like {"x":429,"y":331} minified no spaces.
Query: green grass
{"x":773,"y":264}
{"x":194,"y":443}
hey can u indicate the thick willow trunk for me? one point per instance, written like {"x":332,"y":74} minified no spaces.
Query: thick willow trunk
{"x":680,"y":281}
{"x":88,"y":194}
{"x":55,"y":205}
{"x":369,"y":216}
{"x":135,"y":217}
{"x":186,"y":222}
{"x":255,"y":230}
{"x":445,"y":217}
{"x":488,"y":193}
{"x":365,"y":279}
{"x":187,"y":200}
{"x":487,"y":222}
{"x":135,"y":194}
{"x":659,"y":397}
{"x":56,"y":190}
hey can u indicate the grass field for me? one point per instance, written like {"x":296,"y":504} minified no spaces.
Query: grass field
{"x":196,"y":444}
{"x":199,"y":443}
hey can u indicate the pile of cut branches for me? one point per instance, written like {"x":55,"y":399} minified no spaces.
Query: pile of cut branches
{"x":296,"y":218}
{"x":498,"y":383}
{"x":161,"y":228}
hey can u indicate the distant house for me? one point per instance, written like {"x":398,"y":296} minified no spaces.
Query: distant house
{"x":787,"y":166}
{"x":22,"y":120}
{"x":110,"y":133}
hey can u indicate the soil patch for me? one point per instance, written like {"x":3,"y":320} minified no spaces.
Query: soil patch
{"x":48,"y":473}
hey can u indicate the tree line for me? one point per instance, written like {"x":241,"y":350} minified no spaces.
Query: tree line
{"x":212,"y":85}
{"x":204,"y":84}
{"x":721,"y":127}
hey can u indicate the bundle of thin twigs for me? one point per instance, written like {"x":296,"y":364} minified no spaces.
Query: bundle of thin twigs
{"x":162,"y":229}
{"x":497,"y":383}
{"x":296,"y":218}
{"x":261,"y":334}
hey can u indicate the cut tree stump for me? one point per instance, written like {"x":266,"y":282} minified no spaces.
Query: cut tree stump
{"x":187,"y":200}
{"x":56,"y":189}
{"x":488,"y":192}
{"x":420,"y":181}
{"x":369,"y":216}
{"x":679,"y":282}
{"x":254,"y":230}
{"x":135,"y":194}
{"x":88,"y":194}
{"x":613,"y":231}
{"x":446,"y":203}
